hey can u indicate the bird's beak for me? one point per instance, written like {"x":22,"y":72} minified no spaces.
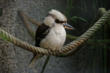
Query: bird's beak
{"x":69,"y":27}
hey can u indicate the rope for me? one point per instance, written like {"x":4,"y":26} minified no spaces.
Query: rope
{"x":71,"y":46}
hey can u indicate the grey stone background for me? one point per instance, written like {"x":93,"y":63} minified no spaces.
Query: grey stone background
{"x":89,"y":59}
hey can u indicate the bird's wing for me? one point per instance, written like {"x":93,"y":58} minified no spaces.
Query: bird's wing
{"x":41,"y":33}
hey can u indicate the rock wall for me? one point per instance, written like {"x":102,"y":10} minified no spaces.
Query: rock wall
{"x":89,"y":59}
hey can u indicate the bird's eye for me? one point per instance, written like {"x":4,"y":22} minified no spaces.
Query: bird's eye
{"x":57,"y":21}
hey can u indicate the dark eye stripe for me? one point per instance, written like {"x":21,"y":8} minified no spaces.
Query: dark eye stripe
{"x":57,"y":21}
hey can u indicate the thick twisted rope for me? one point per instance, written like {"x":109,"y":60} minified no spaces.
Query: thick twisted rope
{"x":71,"y":46}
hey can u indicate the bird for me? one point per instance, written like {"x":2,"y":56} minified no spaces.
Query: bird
{"x":51,"y":34}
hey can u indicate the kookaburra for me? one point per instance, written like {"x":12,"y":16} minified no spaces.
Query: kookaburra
{"x":51,"y":33}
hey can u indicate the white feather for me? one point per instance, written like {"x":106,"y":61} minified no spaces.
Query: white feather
{"x":55,"y":38}
{"x":57,"y":14}
{"x":50,"y":20}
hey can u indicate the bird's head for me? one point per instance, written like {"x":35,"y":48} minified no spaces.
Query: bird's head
{"x":55,"y":17}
